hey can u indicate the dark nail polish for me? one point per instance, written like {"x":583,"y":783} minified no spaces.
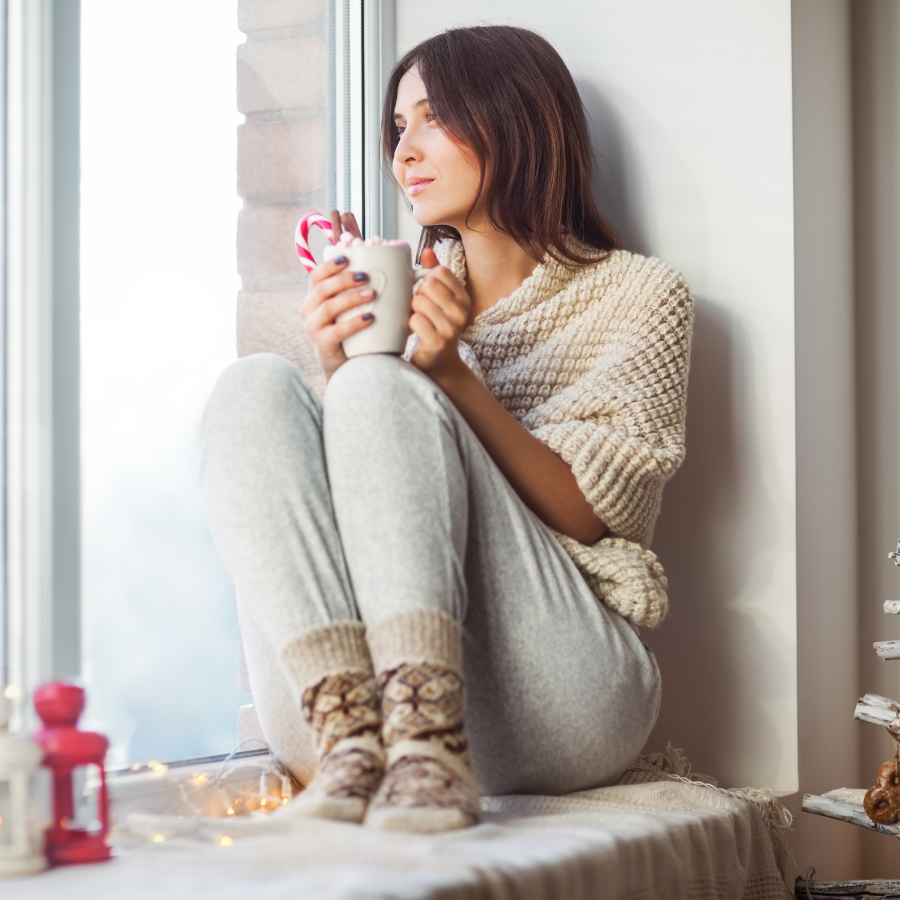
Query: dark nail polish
{"x":360,"y":276}
{"x":368,"y":317}
{"x":340,"y":260}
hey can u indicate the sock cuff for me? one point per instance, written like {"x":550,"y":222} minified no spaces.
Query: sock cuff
{"x":326,"y":650}
{"x":418,"y":635}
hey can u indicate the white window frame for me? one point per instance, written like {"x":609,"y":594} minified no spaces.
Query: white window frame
{"x":364,"y":43}
{"x":379,"y":52}
{"x":40,"y":553}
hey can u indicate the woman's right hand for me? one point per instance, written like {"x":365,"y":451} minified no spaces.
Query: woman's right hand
{"x":333,"y":290}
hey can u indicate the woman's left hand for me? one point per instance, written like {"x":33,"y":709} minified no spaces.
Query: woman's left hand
{"x":440,"y":311}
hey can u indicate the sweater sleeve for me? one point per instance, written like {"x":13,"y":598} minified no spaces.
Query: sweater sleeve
{"x":620,"y":425}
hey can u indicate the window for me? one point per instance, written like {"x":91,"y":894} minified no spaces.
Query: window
{"x":150,"y":628}
{"x":158,"y":289}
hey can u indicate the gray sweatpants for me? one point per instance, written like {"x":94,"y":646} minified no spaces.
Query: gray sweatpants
{"x":380,"y":499}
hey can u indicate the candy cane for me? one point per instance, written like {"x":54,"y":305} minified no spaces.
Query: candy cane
{"x":301,"y":237}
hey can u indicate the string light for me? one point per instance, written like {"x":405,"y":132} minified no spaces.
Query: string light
{"x":12,"y":692}
{"x":255,"y":803}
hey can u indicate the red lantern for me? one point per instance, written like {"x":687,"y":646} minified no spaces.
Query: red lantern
{"x":65,"y":748}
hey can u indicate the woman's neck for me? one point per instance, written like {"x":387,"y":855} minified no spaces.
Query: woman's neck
{"x":495,"y":266}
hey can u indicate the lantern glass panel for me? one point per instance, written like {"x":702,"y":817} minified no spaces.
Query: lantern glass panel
{"x":5,"y":814}
{"x":85,"y":794}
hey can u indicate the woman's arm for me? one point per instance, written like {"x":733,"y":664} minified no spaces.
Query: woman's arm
{"x":543,"y":480}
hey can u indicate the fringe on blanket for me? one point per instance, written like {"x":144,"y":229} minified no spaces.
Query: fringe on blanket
{"x":674,"y":765}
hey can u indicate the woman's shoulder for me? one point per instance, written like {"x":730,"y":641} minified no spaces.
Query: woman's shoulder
{"x":645,"y":274}
{"x":631,"y":287}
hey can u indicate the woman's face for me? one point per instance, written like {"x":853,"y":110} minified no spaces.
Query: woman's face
{"x":440,"y":177}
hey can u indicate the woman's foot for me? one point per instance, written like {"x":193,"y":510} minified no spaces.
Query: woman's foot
{"x":343,"y":711}
{"x":429,"y":785}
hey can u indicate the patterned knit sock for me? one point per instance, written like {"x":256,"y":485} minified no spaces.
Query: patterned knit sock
{"x":342,"y":708}
{"x":429,"y":784}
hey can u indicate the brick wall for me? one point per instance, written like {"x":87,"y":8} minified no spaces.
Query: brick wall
{"x":282,"y":168}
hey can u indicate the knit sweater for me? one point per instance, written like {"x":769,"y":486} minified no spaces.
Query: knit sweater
{"x":594,"y":363}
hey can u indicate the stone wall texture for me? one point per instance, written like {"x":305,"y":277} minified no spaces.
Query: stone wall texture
{"x":282,"y":90}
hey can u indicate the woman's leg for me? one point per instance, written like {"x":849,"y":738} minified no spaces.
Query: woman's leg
{"x":562,"y":693}
{"x":268,"y":502}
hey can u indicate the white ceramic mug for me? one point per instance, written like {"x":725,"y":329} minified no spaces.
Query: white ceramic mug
{"x":391,"y":276}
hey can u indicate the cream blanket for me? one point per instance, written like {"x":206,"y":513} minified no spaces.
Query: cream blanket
{"x":640,"y":841}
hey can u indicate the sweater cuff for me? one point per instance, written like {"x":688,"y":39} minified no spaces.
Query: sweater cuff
{"x":620,"y":476}
{"x":419,"y":635}
{"x":325,"y":650}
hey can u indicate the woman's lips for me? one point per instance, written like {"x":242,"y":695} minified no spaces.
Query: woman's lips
{"x":418,"y":187}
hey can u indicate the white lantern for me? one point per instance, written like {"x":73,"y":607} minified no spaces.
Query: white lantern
{"x":21,"y":835}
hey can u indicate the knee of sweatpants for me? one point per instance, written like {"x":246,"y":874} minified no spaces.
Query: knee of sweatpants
{"x":375,"y":387}
{"x":252,"y":393}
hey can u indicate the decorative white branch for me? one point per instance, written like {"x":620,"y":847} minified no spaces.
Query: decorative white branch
{"x":845,"y":804}
{"x":878,"y":710}
{"x":887,"y":649}
{"x":845,"y":890}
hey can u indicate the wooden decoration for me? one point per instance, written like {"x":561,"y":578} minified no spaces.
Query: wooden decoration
{"x":846,"y":805}
{"x":887,"y":649}
{"x":878,"y":710}
{"x":805,"y":889}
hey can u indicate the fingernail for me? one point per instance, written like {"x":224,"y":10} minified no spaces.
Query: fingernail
{"x":368,"y":317}
{"x":360,"y":276}
{"x":340,"y":260}
{"x":367,"y":293}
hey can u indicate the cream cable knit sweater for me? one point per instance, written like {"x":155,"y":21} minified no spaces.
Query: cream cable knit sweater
{"x":594,"y":363}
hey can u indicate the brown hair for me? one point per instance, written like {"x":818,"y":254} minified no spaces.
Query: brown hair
{"x":506,"y":94}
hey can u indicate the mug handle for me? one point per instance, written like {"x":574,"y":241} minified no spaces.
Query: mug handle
{"x":419,"y":274}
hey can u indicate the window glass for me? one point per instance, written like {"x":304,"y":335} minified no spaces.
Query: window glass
{"x":158,"y":289}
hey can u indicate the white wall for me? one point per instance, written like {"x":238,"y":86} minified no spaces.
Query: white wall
{"x":690,"y":104}
{"x":828,"y":641}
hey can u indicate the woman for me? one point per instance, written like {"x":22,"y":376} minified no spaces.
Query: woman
{"x":475,"y":515}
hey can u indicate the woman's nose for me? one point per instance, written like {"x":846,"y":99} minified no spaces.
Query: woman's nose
{"x":407,"y":149}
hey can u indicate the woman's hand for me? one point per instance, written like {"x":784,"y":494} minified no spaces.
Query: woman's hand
{"x":440,"y":311}
{"x":333,"y":290}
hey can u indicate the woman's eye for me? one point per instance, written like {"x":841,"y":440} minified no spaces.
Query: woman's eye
{"x":429,"y":116}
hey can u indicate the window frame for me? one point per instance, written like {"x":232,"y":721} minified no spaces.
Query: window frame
{"x":40,"y":550}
